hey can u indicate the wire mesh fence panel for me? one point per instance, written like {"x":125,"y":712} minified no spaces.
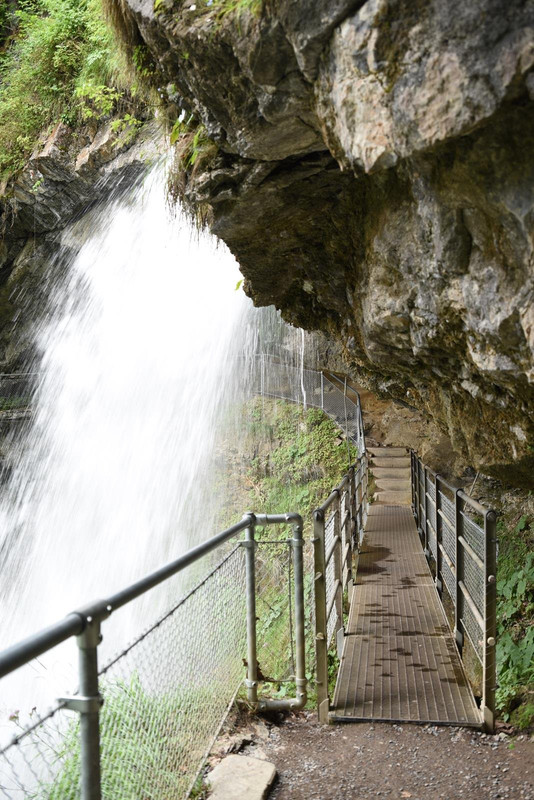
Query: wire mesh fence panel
{"x":449,"y":580}
{"x":330,"y":577}
{"x":17,"y":392}
{"x":309,"y":604}
{"x":42,"y":761}
{"x":345,"y":532}
{"x":310,"y":388}
{"x":473,"y":631}
{"x":274,"y":611}
{"x":474,"y":535}
{"x":280,"y":380}
{"x":431,"y":516}
{"x":164,"y":699}
{"x":20,"y":385}
{"x":165,"y":696}
{"x":341,"y":409}
{"x":448,"y":527}
{"x":311,"y":381}
{"x":474,"y":581}
{"x":288,"y":382}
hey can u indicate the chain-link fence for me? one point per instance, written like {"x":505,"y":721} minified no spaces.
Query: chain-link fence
{"x":272,"y":378}
{"x":167,"y":693}
{"x":459,"y":537}
{"x":16,"y":393}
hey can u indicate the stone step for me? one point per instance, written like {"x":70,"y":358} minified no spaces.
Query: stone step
{"x":393,"y":484}
{"x":394,"y":452}
{"x":385,"y":461}
{"x":393,"y":498}
{"x":381,"y":473}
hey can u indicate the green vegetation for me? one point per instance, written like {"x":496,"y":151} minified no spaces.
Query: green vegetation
{"x":14,"y":403}
{"x":192,"y":144}
{"x":193,"y":150}
{"x":237,"y":7}
{"x":515,"y":623}
{"x":290,"y":460}
{"x":302,"y":459}
{"x":60,"y":63}
{"x":147,"y":750}
{"x":220,"y":8}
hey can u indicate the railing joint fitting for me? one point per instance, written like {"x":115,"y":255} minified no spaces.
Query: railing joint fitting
{"x":249,"y":543}
{"x":83,"y":705}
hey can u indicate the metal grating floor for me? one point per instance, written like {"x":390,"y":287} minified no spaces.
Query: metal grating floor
{"x":400,"y":661}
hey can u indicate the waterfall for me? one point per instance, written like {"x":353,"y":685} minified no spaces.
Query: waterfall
{"x":115,"y":474}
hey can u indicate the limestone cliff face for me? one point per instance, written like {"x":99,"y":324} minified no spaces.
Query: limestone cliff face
{"x":375,"y":180}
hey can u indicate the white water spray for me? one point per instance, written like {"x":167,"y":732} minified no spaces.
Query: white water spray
{"x":113,"y":478}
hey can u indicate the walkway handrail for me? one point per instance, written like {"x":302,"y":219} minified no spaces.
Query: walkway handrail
{"x":77,"y":621}
{"x":85,"y":625}
{"x":459,"y":535}
{"x":337,"y":534}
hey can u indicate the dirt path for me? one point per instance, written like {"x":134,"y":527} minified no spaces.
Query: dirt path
{"x":356,"y":761}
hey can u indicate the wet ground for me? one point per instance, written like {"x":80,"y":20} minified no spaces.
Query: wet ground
{"x":362,"y":760}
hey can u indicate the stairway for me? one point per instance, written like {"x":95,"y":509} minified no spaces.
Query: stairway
{"x":390,"y":467}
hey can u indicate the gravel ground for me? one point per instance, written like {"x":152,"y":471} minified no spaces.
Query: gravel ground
{"x":393,"y":761}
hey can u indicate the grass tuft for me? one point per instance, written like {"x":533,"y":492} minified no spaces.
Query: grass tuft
{"x":60,"y":63}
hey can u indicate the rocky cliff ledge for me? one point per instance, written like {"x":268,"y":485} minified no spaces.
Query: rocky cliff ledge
{"x":374,"y":176}
{"x":68,"y":172}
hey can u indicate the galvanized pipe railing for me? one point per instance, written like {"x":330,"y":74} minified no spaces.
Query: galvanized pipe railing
{"x":85,"y":625}
{"x":337,"y":533}
{"x":459,"y":536}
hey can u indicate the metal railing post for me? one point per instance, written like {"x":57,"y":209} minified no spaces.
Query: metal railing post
{"x":88,"y":642}
{"x":459,"y":562}
{"x":489,"y":665}
{"x":321,"y":643}
{"x":88,"y":703}
{"x":439,"y":539}
{"x":252,"y":657}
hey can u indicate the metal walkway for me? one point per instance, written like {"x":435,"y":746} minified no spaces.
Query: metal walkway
{"x":399,"y":661}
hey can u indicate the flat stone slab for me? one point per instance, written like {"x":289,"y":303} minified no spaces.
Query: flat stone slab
{"x":241,"y":778}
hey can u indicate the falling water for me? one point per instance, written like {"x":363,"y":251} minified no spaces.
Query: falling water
{"x":114,"y":476}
